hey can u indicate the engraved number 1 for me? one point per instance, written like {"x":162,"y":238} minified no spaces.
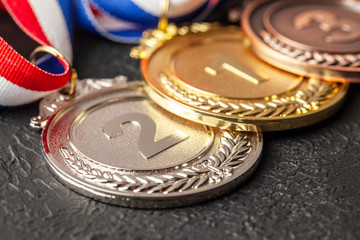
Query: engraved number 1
{"x":221,"y":61}
{"x":147,"y":145}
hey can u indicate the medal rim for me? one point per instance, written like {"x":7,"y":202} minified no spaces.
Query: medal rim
{"x":71,"y":179}
{"x":267,"y":124}
{"x":289,"y":64}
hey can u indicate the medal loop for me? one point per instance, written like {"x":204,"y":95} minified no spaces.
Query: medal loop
{"x":164,"y":15}
{"x":70,"y":91}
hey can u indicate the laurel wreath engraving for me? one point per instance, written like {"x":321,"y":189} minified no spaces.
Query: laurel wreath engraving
{"x":308,"y":98}
{"x":231,"y":154}
{"x":311,"y":57}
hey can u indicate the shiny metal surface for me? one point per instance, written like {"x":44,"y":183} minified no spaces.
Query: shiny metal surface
{"x":226,"y":67}
{"x":313,"y":38}
{"x":212,"y":77}
{"x":147,"y":146}
{"x":117,"y":146}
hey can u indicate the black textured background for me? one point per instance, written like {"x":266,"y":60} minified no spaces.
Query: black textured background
{"x":306,"y":187}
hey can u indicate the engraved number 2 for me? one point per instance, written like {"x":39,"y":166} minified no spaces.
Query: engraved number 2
{"x":147,"y":145}
{"x":329,"y":22}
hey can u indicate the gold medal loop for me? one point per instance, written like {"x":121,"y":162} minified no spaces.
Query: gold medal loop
{"x":70,"y":91}
{"x":164,"y":15}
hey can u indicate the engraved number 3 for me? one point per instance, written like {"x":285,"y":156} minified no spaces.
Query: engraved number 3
{"x":329,"y":22}
{"x":147,"y":145}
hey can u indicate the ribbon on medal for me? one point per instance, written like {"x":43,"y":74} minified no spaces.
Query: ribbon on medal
{"x":50,"y":23}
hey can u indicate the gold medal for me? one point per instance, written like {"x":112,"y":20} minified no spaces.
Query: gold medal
{"x":208,"y":74}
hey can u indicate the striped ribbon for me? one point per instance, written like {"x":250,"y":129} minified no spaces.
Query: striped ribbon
{"x":50,"y":22}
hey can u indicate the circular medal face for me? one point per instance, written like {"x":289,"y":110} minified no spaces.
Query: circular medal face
{"x":312,"y":38}
{"x":214,"y":78}
{"x":117,"y":146}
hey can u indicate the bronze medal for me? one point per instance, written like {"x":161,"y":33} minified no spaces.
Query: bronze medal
{"x":311,"y":38}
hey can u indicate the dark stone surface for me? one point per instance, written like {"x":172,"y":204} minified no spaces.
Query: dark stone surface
{"x":306,"y":187}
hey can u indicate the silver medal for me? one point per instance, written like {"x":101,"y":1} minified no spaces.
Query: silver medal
{"x":112,"y":143}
